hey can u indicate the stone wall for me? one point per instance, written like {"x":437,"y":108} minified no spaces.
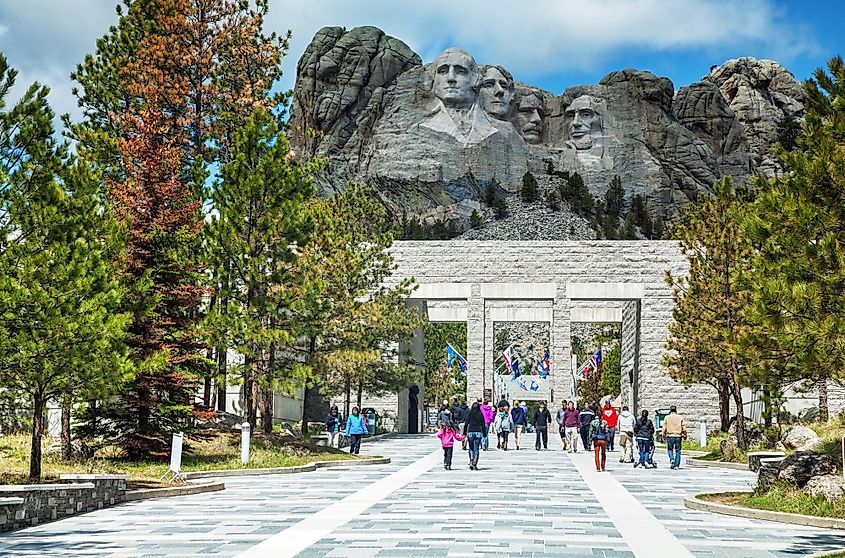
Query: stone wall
{"x":27,"y":505}
{"x":533,"y":279}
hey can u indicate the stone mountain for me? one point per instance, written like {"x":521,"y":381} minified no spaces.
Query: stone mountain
{"x":431,"y":138}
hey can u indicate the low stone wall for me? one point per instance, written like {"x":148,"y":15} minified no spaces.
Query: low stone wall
{"x":32,"y":504}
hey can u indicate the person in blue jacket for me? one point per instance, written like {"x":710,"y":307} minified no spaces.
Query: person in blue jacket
{"x":356,"y":426}
{"x":520,"y":421}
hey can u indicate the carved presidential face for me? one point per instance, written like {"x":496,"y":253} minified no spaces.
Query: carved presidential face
{"x":496,"y":93}
{"x":456,"y":77}
{"x":583,"y":121}
{"x":529,"y":118}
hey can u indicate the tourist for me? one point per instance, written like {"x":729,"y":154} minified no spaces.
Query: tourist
{"x":626,"y":435}
{"x":356,"y":427}
{"x":585,"y":419}
{"x":489,"y":413}
{"x":559,"y":420}
{"x":474,"y":429}
{"x":644,"y":434}
{"x":599,"y":434}
{"x":444,"y":417}
{"x":542,"y":420}
{"x":674,"y":432}
{"x":520,"y":421}
{"x":503,"y":426}
{"x":611,"y":417}
{"x":447,"y":436}
{"x":570,"y":424}
{"x":333,"y":424}
{"x":458,"y":414}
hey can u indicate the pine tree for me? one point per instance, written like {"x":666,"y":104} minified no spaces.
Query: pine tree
{"x":60,"y":331}
{"x":797,"y":225}
{"x":705,"y":340}
{"x":614,"y":199}
{"x":254,"y":239}
{"x":529,"y":191}
{"x":475,"y":219}
{"x":553,"y":200}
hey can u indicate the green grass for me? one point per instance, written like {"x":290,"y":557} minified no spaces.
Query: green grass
{"x":692,"y":444}
{"x":782,"y":498}
{"x":203,"y":453}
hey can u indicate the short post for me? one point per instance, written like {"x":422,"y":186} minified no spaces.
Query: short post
{"x":245,"y":431}
{"x":702,"y":432}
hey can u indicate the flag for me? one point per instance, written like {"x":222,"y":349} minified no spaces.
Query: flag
{"x":515,"y":367}
{"x":543,"y":366}
{"x":452,"y":354}
{"x":508,"y":356}
{"x":595,"y":360}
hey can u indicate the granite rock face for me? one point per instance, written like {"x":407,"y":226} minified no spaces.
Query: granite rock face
{"x":432,"y":138}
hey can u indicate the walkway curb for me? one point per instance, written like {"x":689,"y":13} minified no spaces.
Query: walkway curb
{"x":691,"y":462}
{"x":184,"y":490}
{"x":694,"y":503}
{"x":827,"y":553}
{"x":308,"y":467}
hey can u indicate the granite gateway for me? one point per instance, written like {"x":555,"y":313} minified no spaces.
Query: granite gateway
{"x":432,"y":137}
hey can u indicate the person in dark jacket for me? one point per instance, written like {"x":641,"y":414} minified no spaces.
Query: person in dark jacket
{"x":542,"y":420}
{"x":520,"y":421}
{"x":474,"y":429}
{"x":586,"y":417}
{"x":333,"y":424}
{"x":644,"y":434}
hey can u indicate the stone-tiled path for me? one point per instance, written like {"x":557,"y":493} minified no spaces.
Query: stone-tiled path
{"x":524,"y":503}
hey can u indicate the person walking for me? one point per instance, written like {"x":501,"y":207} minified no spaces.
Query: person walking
{"x":520,"y":421}
{"x":570,"y":425}
{"x":474,"y":429}
{"x":599,"y":434}
{"x":503,"y":426}
{"x":674,"y":432}
{"x":559,"y":421}
{"x":585,"y":419}
{"x":447,"y":436}
{"x":356,"y":427}
{"x":489,"y":413}
{"x":626,"y":435}
{"x":444,"y":416}
{"x":611,"y":417}
{"x":333,"y":424}
{"x":542,"y":420}
{"x":644,"y":434}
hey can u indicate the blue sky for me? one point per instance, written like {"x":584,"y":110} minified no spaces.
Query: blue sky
{"x":549,"y":43}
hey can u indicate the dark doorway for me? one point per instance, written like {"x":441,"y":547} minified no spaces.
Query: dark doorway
{"x":413,"y":409}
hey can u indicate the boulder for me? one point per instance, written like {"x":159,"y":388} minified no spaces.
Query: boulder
{"x":800,"y":438}
{"x":801,"y":466}
{"x":829,"y":487}
{"x":767,"y":475}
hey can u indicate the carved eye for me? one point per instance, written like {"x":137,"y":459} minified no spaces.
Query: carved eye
{"x":443,"y":70}
{"x":460,"y":70}
{"x":488,"y":84}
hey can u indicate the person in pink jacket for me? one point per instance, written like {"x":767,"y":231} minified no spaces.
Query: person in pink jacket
{"x":447,"y":436}
{"x":489,"y":413}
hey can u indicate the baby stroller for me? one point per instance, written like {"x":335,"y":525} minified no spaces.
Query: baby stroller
{"x":650,"y":459}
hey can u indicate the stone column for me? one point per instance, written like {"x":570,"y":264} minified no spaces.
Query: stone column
{"x":629,"y":356}
{"x":412,"y":351}
{"x":561,"y":366}
{"x":476,"y":373}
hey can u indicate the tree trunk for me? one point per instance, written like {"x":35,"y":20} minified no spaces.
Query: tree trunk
{"x":221,"y":379}
{"x":250,"y":407}
{"x":740,"y":416}
{"x":360,"y":393}
{"x":348,"y":394}
{"x":206,"y":391}
{"x":824,"y":410}
{"x":768,"y":411}
{"x":38,"y":404}
{"x":67,"y":451}
{"x":724,"y":390}
{"x":267,"y":391}
{"x":312,"y":347}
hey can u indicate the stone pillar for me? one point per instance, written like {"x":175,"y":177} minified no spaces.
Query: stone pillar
{"x":412,"y":352}
{"x":561,"y":366}
{"x":629,"y":356}
{"x":476,"y":354}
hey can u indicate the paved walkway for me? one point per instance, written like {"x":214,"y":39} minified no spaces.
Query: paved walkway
{"x":524,"y":503}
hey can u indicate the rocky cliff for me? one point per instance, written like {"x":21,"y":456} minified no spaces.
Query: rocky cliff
{"x":432,"y":138}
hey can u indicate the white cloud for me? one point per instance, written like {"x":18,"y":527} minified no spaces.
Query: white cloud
{"x":45,"y":39}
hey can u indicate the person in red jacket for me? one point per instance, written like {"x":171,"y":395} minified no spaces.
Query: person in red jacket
{"x":611,"y":417}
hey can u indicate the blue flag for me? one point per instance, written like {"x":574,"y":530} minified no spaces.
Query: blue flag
{"x":452,"y":354}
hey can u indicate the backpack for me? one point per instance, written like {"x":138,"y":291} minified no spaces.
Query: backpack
{"x":599,"y":428}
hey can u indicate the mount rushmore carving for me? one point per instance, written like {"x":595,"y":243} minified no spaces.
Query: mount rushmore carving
{"x":433,"y":137}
